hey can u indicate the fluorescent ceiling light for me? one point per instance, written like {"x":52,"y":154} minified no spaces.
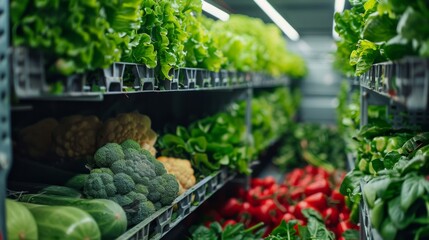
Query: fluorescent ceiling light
{"x":278,"y":19}
{"x":214,"y":11}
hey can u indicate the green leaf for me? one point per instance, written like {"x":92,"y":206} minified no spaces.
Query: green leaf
{"x":198,"y":144}
{"x":351,"y":234}
{"x":412,"y":189}
{"x":398,"y":216}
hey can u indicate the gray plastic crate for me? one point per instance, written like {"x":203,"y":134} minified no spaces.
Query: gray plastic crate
{"x":405,"y":81}
{"x":5,"y":122}
{"x":172,"y":84}
{"x":203,"y":78}
{"x":157,"y":225}
{"x":215,"y":79}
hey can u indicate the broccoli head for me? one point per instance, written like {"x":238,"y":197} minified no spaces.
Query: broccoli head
{"x":135,"y":166}
{"x":122,"y":200}
{"x":139,"y":211}
{"x":99,"y":185}
{"x":102,"y":170}
{"x":123,"y":183}
{"x":163,"y":189}
{"x":158,"y":166}
{"x":136,"y":196}
{"x":108,"y":154}
{"x":140,"y":188}
{"x":130,"y":144}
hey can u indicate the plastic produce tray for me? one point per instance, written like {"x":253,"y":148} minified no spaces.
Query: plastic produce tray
{"x":366,"y":230}
{"x":405,"y":81}
{"x":157,"y":225}
{"x":29,"y":79}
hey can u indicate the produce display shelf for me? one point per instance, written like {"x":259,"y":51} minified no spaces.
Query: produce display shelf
{"x":366,"y":230}
{"x":405,"y":82}
{"x":161,"y":222}
{"x":29,"y":80}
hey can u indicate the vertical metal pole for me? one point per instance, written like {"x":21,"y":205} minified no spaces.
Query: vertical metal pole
{"x":5,"y":141}
{"x":249,"y":135}
{"x":363,"y":107}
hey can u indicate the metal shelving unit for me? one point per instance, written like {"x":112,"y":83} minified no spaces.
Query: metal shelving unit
{"x":161,"y":222}
{"x":5,"y":134}
{"x":403,"y":87}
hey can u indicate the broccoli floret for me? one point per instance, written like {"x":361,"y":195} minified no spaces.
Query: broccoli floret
{"x":140,"y":188}
{"x":159,"y":167}
{"x":164,"y":189}
{"x":99,"y":185}
{"x":143,"y":210}
{"x":108,"y":154}
{"x":102,"y":170}
{"x":136,"y":166}
{"x":137,"y":196}
{"x":130,"y":144}
{"x":123,"y":183}
{"x":121,"y":199}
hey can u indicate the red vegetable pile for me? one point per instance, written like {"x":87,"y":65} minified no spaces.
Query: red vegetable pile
{"x":269,"y":202}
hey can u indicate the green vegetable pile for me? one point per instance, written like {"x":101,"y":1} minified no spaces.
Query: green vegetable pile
{"x":374,"y":31}
{"x":393,"y":165}
{"x":131,"y":177}
{"x":228,"y":232}
{"x":315,"y":144}
{"x":78,"y":36}
{"x":222,"y":140}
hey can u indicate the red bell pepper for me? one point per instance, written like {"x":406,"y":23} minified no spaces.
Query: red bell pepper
{"x":231,"y":208}
{"x":317,"y":200}
{"x":331,"y":216}
{"x":301,"y":206}
{"x":316,"y":187}
{"x":293,"y":177}
{"x":337,"y":198}
{"x":297,"y":193}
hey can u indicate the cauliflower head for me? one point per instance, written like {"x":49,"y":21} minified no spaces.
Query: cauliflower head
{"x":76,"y":136}
{"x":125,"y":126}
{"x":181,"y":169}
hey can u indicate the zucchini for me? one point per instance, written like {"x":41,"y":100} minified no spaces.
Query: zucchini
{"x":63,"y":222}
{"x":44,"y":189}
{"x":20,"y":224}
{"x":77,"y":182}
{"x":110,"y":217}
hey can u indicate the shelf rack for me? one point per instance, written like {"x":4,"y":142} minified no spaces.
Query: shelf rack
{"x":29,"y":82}
{"x":5,"y":132}
{"x":160,"y":223}
{"x":403,"y":87}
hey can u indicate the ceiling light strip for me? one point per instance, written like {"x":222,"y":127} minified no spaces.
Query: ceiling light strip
{"x":278,"y":19}
{"x":214,"y":11}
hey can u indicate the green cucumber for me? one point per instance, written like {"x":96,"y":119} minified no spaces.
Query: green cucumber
{"x":63,"y":222}
{"x":77,"y":182}
{"x":110,"y":217}
{"x":44,"y":189}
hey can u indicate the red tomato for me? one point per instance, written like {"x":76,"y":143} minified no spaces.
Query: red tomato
{"x":308,"y":179}
{"x":207,"y":224}
{"x":317,"y":200}
{"x":271,"y":190}
{"x":291,"y":209}
{"x":267,"y":212}
{"x":254,"y":196}
{"x":331,"y":216}
{"x":231,"y":207}
{"x":337,"y":198}
{"x":343,"y":226}
{"x":319,"y":186}
{"x":293,"y":177}
{"x":228,"y":222}
{"x":299,"y":207}
{"x":246,"y":213}
{"x":311,"y":169}
{"x":282,"y":195}
{"x":344,"y":215}
{"x":297,"y":193}
{"x":286,"y":217}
